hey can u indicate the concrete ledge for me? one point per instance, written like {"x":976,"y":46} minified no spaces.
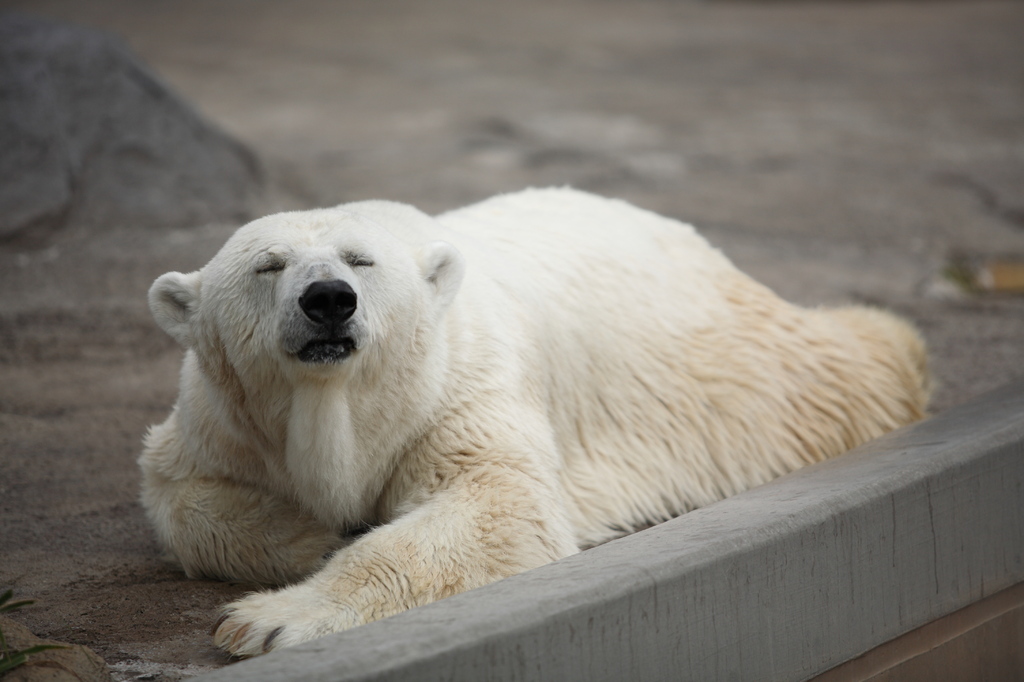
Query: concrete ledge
{"x":782,"y":582}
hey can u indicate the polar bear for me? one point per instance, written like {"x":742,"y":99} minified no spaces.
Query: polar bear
{"x":379,"y":409}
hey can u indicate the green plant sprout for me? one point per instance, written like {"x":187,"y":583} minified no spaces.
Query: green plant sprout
{"x":12,"y":658}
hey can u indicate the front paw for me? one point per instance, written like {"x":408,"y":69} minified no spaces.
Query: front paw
{"x":266,"y":621}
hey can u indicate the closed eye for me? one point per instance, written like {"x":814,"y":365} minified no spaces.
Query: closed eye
{"x":270,"y":264}
{"x":356,"y":260}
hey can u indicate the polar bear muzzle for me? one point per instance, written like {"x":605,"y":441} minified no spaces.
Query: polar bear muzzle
{"x":328,"y":304}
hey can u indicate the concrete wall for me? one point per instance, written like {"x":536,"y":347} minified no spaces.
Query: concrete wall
{"x":783,"y":582}
{"x":983,"y":642}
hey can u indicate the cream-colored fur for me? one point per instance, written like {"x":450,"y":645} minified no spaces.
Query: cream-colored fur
{"x":533,"y":375}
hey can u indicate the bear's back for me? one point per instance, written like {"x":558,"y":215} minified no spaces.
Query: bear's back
{"x":570,"y":254}
{"x":670,"y":379}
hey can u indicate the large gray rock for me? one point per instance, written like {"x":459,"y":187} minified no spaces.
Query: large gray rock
{"x":89,"y":136}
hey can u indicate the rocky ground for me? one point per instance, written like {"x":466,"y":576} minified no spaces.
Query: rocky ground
{"x":840,"y":152}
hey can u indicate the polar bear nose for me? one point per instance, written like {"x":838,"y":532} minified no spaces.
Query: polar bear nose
{"x":328,"y":301}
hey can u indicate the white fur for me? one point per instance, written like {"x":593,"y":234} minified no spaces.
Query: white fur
{"x":535,"y":374}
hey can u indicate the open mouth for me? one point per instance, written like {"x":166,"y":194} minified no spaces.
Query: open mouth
{"x":325,"y":351}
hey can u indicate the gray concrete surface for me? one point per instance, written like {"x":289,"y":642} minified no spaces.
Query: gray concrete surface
{"x":838,"y":151}
{"x":778,"y":583}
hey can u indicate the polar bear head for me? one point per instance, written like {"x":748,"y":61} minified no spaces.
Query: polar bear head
{"x":313,"y":291}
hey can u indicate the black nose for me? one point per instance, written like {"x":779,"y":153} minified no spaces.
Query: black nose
{"x":328,"y":302}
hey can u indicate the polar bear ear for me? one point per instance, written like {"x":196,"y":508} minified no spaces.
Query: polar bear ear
{"x":442,"y":266}
{"x":173,"y":300}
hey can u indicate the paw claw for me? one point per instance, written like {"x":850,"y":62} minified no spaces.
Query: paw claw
{"x":239,"y":635}
{"x":220,"y":621}
{"x":271,"y":637}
